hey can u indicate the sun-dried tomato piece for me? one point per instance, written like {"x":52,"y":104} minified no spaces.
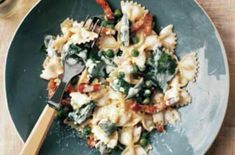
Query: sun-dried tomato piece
{"x":107,"y":10}
{"x":148,"y":24}
{"x":138,"y":24}
{"x":69,"y":88}
{"x":149,"y":109}
{"x":85,"y":88}
{"x":91,"y":141}
{"x":160,"y":127}
{"x":51,"y":88}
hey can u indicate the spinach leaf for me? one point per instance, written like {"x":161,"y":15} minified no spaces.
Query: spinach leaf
{"x":122,"y":85}
{"x":161,"y":68}
{"x":96,"y":68}
{"x":108,"y":127}
{"x":84,"y":112}
{"x":79,"y":51}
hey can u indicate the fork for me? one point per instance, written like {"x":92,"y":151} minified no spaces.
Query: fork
{"x":71,"y":69}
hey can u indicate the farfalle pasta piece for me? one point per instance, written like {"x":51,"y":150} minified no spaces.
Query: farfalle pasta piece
{"x":135,"y":119}
{"x":78,"y":99}
{"x":133,"y":10}
{"x":150,"y":42}
{"x":100,"y":97}
{"x":81,"y":34}
{"x":52,"y":68}
{"x":178,"y":82}
{"x":108,"y":42}
{"x":184,"y":98}
{"x":188,"y":67}
{"x":66,"y":25}
{"x":171,"y":116}
{"x":126,"y":136}
{"x":172,"y":96}
{"x":58,"y":43}
{"x":158,"y":118}
{"x":140,"y":60}
{"x":147,"y":122}
{"x":168,"y":38}
{"x":114,"y":113}
{"x":99,"y":134}
{"x":129,"y":135}
{"x":135,"y":150}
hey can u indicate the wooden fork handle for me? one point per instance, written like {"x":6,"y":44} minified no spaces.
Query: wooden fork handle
{"x":38,"y":134}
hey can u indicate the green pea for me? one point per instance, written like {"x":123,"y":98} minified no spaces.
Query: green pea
{"x":86,"y":131}
{"x":143,"y":142}
{"x":147,"y":93}
{"x":135,"y":53}
{"x":110,"y":53}
{"x":135,"y":39}
{"x":118,"y":13}
{"x":121,"y":75}
{"x":148,"y":84}
{"x":146,"y":101}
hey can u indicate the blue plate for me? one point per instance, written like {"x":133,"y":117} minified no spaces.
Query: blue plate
{"x":201,"y":120}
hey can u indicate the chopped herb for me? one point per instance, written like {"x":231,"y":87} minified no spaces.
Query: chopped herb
{"x":119,"y":53}
{"x":144,"y":139}
{"x":86,"y":131}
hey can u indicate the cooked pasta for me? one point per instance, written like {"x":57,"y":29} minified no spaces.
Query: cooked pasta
{"x":133,"y":81}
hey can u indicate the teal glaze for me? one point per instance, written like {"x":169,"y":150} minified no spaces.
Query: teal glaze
{"x":201,"y":120}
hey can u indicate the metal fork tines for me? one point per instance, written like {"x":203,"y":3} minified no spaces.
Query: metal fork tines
{"x":73,"y":67}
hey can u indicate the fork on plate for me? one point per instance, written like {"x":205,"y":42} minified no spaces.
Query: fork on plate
{"x":71,"y":68}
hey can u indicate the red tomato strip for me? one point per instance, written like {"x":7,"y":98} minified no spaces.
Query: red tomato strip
{"x":149,"y":109}
{"x":147,"y":27}
{"x":160,"y":127}
{"x":51,"y":88}
{"x":91,"y":142}
{"x":107,"y":10}
{"x":85,"y":88}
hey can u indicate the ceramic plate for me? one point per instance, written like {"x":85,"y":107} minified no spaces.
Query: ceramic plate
{"x":201,"y":120}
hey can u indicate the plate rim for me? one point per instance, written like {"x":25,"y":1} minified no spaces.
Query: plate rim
{"x":217,"y":34}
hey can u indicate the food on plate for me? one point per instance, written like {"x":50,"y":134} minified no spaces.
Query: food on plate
{"x":133,"y":82}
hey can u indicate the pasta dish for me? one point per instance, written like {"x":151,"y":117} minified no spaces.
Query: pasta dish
{"x":133,"y":82}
